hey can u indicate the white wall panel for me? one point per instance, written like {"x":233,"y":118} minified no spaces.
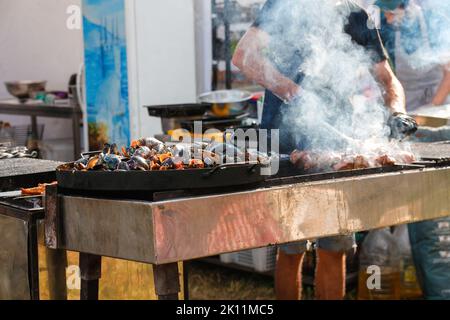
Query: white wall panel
{"x":163,"y":46}
{"x":36,"y":44}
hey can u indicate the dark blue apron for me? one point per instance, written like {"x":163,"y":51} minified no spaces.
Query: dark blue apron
{"x":272,"y":118}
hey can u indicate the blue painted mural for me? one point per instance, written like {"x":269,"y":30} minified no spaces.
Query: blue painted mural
{"x":106,"y":72}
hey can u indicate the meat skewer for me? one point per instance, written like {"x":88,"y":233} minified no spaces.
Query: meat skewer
{"x":307,"y":161}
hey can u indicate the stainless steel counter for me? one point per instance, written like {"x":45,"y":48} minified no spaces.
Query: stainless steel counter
{"x":184,"y":229}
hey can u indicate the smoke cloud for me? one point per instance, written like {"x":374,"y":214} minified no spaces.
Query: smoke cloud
{"x":341,"y":107}
{"x":436,"y":14}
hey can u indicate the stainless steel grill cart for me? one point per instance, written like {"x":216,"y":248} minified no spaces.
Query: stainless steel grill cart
{"x":180,"y":226}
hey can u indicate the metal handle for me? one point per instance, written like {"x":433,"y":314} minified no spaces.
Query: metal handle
{"x":230,"y":165}
{"x":90,"y":153}
{"x":80,"y":85}
{"x":252,"y":169}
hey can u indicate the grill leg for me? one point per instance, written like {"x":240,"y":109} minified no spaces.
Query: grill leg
{"x":57,"y":263}
{"x":186,"y":280}
{"x":91,"y":272}
{"x":167,"y":281}
{"x":33,"y":260}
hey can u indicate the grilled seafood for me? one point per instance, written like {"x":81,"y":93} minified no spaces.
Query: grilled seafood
{"x":150,"y":154}
{"x":123,"y":166}
{"x":255,"y":155}
{"x":354,"y":162}
{"x":144,"y":152}
{"x":196,"y":163}
{"x":36,"y":191}
{"x":111,"y":161}
{"x":151,"y":143}
{"x":8,"y":152}
{"x":331,"y":161}
{"x":385,"y":161}
{"x":310,"y":160}
{"x":93,"y":163}
{"x":138,"y":163}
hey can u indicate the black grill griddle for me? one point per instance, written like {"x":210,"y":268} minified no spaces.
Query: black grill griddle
{"x":145,"y":185}
{"x":147,"y":181}
{"x":178,"y":110}
{"x":26,"y":173}
{"x":438,"y":151}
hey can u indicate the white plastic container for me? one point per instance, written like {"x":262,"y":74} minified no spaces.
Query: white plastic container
{"x":260,"y":260}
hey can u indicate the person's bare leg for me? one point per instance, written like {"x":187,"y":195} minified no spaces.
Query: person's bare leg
{"x":288,"y":276}
{"x":330,"y":275}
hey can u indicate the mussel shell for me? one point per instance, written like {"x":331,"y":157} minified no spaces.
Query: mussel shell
{"x":132,"y":165}
{"x":161,"y":149}
{"x":124,"y":166}
{"x":140,"y":163}
{"x":168,"y":163}
{"x":151,"y":143}
{"x":128,"y":152}
{"x":209,"y":162}
{"x":211,"y":155}
{"x":106,"y":148}
{"x":182,"y":151}
{"x":111,"y":161}
{"x":143,"y":152}
{"x":228,"y":150}
{"x":93,"y":163}
{"x":114,"y":149}
{"x":196,"y":163}
{"x":255,"y":155}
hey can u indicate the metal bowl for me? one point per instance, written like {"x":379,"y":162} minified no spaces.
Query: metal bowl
{"x":25,"y":89}
{"x":227,"y":102}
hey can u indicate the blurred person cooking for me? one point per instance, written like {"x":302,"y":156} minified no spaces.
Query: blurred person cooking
{"x":258,"y":57}
{"x":406,"y":34}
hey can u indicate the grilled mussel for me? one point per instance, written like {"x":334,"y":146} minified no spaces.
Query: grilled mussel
{"x":150,"y":154}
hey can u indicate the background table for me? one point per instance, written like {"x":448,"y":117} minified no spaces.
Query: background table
{"x":70,"y":110}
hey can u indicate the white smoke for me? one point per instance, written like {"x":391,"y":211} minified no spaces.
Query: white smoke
{"x":341,"y":107}
{"x":435,"y":40}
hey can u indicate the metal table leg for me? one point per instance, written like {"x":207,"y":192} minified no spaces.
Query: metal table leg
{"x":167,"y":281}
{"x":33,"y":259}
{"x":34,"y":128}
{"x":186,"y":266}
{"x":56,"y":258}
{"x":57,"y":263}
{"x":33,"y":142}
{"x":91,"y":272}
{"x":76,"y":119}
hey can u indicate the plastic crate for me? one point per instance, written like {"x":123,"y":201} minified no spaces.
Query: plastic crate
{"x":260,"y":260}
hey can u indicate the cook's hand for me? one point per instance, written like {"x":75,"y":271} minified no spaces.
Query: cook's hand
{"x":291,"y":94}
{"x":402,"y":125}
